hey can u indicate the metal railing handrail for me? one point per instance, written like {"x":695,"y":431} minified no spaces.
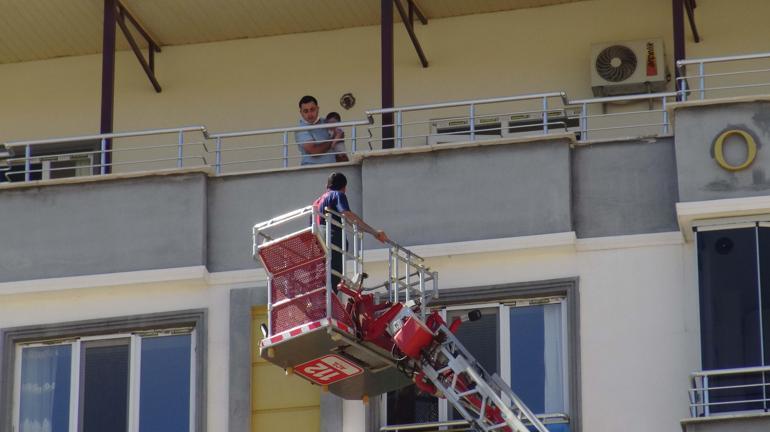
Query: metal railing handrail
{"x":715,"y":372}
{"x":685,"y":62}
{"x":561,"y":94}
{"x":606,"y":99}
{"x":146,"y":132}
{"x":288,"y":129}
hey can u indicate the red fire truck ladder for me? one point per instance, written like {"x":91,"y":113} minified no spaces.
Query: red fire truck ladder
{"x":382,"y":338}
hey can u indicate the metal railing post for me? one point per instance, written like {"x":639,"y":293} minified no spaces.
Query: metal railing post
{"x":285,"y":149}
{"x":545,"y":115}
{"x":399,"y":132}
{"x":584,"y":122}
{"x":407,"y":277}
{"x":702,"y":80}
{"x":665,"y":115}
{"x":180,"y":150}
{"x":343,"y":222}
{"x":390,"y":272}
{"x":269,"y":306}
{"x":103,"y":157}
{"x":356,"y":268}
{"x":218,"y":155}
{"x":329,"y":252}
{"x":353,"y":139}
{"x":473,"y":122}
{"x":706,"y":407}
{"x":27,"y":162}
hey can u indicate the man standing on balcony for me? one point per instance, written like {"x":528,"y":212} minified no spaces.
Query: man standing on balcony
{"x":314,"y":145}
{"x":335,"y":199}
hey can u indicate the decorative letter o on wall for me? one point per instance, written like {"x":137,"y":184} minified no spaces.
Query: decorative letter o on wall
{"x":719,"y":154}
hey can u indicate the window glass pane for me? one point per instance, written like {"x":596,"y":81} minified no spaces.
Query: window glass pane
{"x":165,"y":384}
{"x":480,"y":337}
{"x":727,"y":275}
{"x":537,"y":352}
{"x":408,"y":405}
{"x":729,"y":313}
{"x":764,"y":271}
{"x":45,"y":389}
{"x":105,"y":388}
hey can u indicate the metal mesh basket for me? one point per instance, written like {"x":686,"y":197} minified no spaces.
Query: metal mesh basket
{"x":290,"y":252}
{"x":298,"y":280}
{"x":305,"y":309}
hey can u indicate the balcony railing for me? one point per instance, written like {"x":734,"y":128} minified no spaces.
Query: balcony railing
{"x":729,"y":390}
{"x":519,"y":116}
{"x":738,"y":75}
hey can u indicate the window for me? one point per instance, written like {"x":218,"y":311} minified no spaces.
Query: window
{"x":528,"y":337}
{"x":140,"y":380}
{"x":734,"y":289}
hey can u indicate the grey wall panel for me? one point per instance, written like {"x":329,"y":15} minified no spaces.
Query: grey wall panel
{"x":470,"y":193}
{"x":102,"y":227}
{"x":697,"y":127}
{"x":236,"y":203}
{"x":626,"y":187}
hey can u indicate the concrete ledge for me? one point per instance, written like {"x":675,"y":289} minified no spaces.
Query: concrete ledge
{"x":107,"y":177}
{"x":724,"y":211}
{"x":743,"y":422}
{"x":565,"y":136}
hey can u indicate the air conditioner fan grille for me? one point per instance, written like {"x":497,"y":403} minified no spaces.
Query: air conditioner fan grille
{"x":616,"y":63}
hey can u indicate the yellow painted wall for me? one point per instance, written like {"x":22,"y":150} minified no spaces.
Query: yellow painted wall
{"x":279,"y":402}
{"x":255,"y":83}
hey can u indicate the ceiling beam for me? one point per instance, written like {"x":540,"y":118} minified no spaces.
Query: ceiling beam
{"x":409,"y":25}
{"x":414,"y":8}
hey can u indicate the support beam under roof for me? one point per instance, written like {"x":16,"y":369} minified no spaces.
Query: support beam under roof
{"x":677,"y":7}
{"x":386,"y":62}
{"x":108,"y":80}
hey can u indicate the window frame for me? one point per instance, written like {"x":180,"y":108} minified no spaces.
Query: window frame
{"x":501,"y":296}
{"x":75,"y":333}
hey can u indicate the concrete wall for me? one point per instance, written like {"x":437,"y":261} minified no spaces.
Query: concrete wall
{"x":625,"y":187}
{"x":697,"y":128}
{"x":102,"y":227}
{"x":478,"y":192}
{"x":236,"y":203}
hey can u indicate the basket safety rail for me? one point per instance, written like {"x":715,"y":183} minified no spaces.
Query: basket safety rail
{"x":306,"y":259}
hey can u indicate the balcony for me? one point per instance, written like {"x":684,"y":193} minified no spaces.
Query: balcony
{"x":735,"y":400}
{"x":518,"y":117}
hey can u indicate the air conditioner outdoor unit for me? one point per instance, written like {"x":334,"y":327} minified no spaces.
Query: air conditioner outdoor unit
{"x":620,"y":68}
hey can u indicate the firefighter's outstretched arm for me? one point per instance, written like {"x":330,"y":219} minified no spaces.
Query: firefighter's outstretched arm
{"x":378,"y":234}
